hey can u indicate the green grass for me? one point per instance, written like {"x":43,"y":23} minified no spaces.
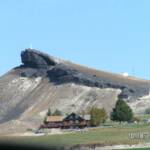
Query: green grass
{"x":145,"y":116}
{"x":100,"y":136}
{"x":138,"y":149}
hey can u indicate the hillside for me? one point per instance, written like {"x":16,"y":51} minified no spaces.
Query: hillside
{"x":43,"y":81}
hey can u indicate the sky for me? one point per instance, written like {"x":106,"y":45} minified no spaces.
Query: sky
{"x":109,"y":35}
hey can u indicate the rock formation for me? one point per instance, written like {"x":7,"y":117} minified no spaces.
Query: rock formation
{"x":35,"y":59}
{"x":41,"y":64}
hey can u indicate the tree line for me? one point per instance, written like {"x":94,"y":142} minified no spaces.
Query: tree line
{"x":120,"y":113}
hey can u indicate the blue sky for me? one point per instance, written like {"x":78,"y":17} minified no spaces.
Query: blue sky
{"x":111,"y":35}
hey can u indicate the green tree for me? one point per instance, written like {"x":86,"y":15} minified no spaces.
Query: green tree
{"x":49,"y":113}
{"x":57,"y":113}
{"x":97,"y":116}
{"x":45,"y":120}
{"x":122,"y":112}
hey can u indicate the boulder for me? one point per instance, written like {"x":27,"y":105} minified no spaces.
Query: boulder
{"x":35,"y":59}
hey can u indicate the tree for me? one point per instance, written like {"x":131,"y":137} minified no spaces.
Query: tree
{"x":121,"y":112}
{"x":49,"y":113}
{"x":45,"y":120}
{"x":97,"y":116}
{"x":57,"y":113}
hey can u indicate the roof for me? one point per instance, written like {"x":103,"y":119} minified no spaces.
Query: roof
{"x":73,"y":117}
{"x":54,"y":118}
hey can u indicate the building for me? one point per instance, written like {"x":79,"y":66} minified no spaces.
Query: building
{"x":71,"y":121}
{"x":53,"y":122}
{"x":75,"y":121}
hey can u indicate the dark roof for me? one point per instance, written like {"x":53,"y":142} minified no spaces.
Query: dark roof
{"x":73,"y":117}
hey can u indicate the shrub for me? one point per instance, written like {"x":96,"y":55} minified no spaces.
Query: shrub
{"x":147,"y":111}
{"x":97,"y":116}
{"x":57,"y":113}
{"x":137,"y":119}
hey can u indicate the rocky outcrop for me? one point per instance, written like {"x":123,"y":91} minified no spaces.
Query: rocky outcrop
{"x":37,"y":64}
{"x":36,"y":59}
{"x":63,"y":74}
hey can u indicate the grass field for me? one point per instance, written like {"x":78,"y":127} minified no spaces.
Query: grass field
{"x":145,"y":116}
{"x":100,"y":136}
{"x":138,"y":149}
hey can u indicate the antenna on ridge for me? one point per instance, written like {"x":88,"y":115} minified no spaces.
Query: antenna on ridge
{"x":31,"y":46}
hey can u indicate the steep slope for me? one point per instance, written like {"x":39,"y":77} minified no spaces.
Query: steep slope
{"x":42,"y":81}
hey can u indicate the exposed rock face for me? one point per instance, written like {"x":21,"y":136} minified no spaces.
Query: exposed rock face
{"x":64,"y":74}
{"x":35,"y":59}
{"x":39,"y":64}
{"x":33,"y":72}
